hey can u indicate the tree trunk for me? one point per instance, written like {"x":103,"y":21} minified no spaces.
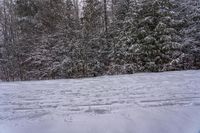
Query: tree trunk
{"x":105,"y":17}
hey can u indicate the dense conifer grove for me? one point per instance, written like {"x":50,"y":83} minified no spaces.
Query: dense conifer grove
{"x":52,"y":39}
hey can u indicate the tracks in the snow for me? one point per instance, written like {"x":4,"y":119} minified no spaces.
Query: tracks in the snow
{"x":99,"y":95}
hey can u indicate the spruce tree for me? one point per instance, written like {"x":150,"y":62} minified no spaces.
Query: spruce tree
{"x":190,"y":12}
{"x":151,"y":35}
{"x":93,"y":27}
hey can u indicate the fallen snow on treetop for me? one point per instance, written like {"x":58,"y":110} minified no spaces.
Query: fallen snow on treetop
{"x":166,"y":102}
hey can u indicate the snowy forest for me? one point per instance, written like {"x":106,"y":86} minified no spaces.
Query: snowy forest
{"x":53,"y":39}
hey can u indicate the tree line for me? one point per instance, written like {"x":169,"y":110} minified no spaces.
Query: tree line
{"x":51,"y":39}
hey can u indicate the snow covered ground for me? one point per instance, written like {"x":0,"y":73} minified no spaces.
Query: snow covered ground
{"x":166,"y":102}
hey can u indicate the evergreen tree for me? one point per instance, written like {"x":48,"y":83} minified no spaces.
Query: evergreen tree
{"x":46,"y":39}
{"x":92,"y":17}
{"x":43,"y":30}
{"x":25,"y":11}
{"x":151,"y":36}
{"x":93,"y":27}
{"x":190,"y":12}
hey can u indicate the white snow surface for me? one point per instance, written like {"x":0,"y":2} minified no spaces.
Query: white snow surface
{"x":166,"y":102}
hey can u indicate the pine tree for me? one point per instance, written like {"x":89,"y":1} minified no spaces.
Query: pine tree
{"x":92,"y":13}
{"x":93,"y":27}
{"x":118,"y":63}
{"x":25,"y":11}
{"x":151,"y":38}
{"x":41,"y":37}
{"x":46,"y":39}
{"x":190,"y":12}
{"x":70,"y":47}
{"x":122,"y":8}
